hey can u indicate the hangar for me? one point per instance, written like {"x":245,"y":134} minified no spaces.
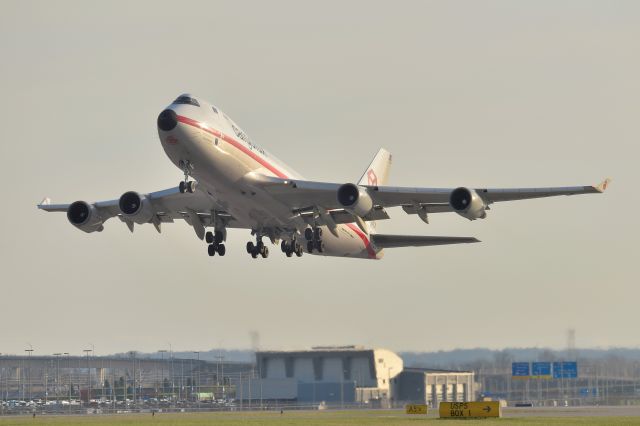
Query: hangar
{"x":344,"y":374}
{"x":348,"y":375}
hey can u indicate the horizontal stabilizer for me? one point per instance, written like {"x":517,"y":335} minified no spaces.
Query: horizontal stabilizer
{"x":393,"y":241}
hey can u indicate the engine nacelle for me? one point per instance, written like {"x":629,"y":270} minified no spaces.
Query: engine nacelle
{"x":355,"y":199}
{"x":135,"y":207}
{"x":84,"y":216}
{"x":467,"y":203}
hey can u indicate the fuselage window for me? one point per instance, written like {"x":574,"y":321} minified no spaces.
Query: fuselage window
{"x":186,"y":100}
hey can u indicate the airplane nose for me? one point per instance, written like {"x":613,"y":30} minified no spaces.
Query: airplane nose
{"x":167,"y":120}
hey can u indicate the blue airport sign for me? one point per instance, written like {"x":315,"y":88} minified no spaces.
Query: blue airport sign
{"x":565,"y":370}
{"x":541,"y":370}
{"x":520,"y":370}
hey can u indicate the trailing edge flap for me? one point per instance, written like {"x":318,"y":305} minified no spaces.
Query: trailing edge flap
{"x":340,"y":216}
{"x":198,"y":227}
{"x":392,"y":241}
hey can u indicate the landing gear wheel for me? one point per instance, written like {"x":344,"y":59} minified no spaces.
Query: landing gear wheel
{"x":191,"y":186}
{"x":264,"y":252}
{"x":211,"y":249}
{"x":208,"y":237}
{"x":308,"y":234}
{"x":284,"y":246}
{"x":298,"y":250}
{"x":221,"y":249}
{"x":317,"y":234}
{"x":319,"y":245}
{"x":254,"y":254}
{"x":251,"y":248}
{"x":182,"y":187}
{"x":289,"y":253}
{"x":260,"y":246}
{"x":219,"y":236}
{"x":310,"y":247}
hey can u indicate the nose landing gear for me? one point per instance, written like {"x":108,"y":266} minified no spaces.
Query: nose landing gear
{"x":186,"y":185}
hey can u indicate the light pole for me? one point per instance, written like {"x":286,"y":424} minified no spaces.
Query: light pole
{"x":220,"y":359}
{"x":57,"y":355}
{"x":162,"y":352}
{"x":69,"y":372}
{"x":29,"y":368}
{"x":173,"y":391}
{"x":198,"y":378}
{"x":86,"y":351}
{"x":133,"y":358}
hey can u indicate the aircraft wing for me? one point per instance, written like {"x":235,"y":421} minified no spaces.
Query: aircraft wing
{"x":394,"y":241}
{"x":197,"y":209}
{"x":301,"y":195}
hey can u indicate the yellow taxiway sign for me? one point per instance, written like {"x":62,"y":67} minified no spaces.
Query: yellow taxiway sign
{"x":470,"y":409}
{"x":416,"y":408}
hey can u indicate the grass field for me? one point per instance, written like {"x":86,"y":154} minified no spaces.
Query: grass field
{"x":306,"y":418}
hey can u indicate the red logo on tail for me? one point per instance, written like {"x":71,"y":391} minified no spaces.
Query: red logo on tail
{"x":372,"y":178}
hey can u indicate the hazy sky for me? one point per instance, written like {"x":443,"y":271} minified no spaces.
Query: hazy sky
{"x":477,"y":93}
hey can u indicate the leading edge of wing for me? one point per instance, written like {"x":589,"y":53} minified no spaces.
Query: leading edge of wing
{"x":394,"y":241}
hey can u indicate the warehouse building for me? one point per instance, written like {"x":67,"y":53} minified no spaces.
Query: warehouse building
{"x":428,"y":386}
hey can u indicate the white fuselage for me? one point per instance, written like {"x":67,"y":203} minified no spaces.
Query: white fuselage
{"x":222,"y":156}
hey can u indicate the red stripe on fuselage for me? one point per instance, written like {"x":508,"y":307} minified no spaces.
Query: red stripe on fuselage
{"x":234,"y":143}
{"x":264,"y":163}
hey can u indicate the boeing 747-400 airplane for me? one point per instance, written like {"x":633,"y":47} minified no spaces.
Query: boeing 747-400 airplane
{"x":241,"y":185}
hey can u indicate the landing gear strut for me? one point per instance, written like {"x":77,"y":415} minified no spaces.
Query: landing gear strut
{"x":314,"y":239}
{"x":215,"y":243}
{"x":258,"y":248}
{"x":186,"y":185}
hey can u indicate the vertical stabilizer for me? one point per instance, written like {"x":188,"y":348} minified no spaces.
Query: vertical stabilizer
{"x":376,"y":174}
{"x":378,"y":171}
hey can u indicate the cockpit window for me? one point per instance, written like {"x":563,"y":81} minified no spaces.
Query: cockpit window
{"x":186,"y":100}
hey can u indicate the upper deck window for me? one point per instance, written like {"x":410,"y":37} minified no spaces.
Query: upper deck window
{"x":186,"y":100}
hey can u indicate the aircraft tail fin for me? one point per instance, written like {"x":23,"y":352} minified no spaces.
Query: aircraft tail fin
{"x":376,"y":174}
{"x":378,"y":171}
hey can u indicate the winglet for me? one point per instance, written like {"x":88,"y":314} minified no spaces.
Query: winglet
{"x":603,"y":185}
{"x":45,"y":202}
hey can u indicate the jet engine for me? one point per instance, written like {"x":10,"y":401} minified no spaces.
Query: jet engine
{"x":84,"y":216}
{"x":467,"y":203}
{"x":135,"y":207}
{"x":355,"y":199}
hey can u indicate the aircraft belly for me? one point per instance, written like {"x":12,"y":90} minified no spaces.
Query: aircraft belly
{"x":347,"y":244}
{"x":250,"y":207}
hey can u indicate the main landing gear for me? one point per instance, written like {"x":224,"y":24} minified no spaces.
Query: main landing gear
{"x":314,"y":239}
{"x":291,"y":247}
{"x":258,"y":248}
{"x":186,"y":185}
{"x":215,"y":243}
